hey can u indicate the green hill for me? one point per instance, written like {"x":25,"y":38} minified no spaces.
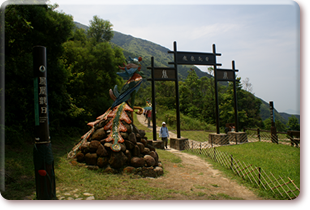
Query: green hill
{"x":136,"y":47}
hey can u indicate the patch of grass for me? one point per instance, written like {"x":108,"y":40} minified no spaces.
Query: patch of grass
{"x":168,"y":156}
{"x":200,"y":136}
{"x":201,"y":194}
{"x":200,"y":173}
{"x":215,"y":185}
{"x":199,"y":187}
{"x":227,"y":197}
{"x":280,"y":160}
{"x":264,"y":155}
{"x":103,"y":186}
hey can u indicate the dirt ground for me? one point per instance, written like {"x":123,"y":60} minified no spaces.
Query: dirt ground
{"x":198,"y":179}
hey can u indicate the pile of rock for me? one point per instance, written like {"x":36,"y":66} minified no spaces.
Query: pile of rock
{"x":137,"y":154}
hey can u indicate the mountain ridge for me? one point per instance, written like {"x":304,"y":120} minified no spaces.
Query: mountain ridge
{"x":135,"y":47}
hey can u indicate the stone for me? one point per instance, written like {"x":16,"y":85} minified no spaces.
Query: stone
{"x":129,"y":145}
{"x":91,"y":158}
{"x":155,"y":156}
{"x":128,"y":155}
{"x":146,"y":151}
{"x":90,"y":198}
{"x":141,"y":147}
{"x":109,"y":170}
{"x":148,"y":172}
{"x":221,"y":139}
{"x":132,"y":138}
{"x":137,"y":162}
{"x":93,"y":146}
{"x":102,"y":161}
{"x":149,"y":142}
{"x":91,"y":167}
{"x":142,"y":133}
{"x":99,"y":134}
{"x":129,"y":169}
{"x":117,"y":159}
{"x":128,"y":127}
{"x":144,"y":142}
{"x":101,"y":151}
{"x":136,"y":151}
{"x":138,"y":137}
{"x":159,"y":144}
{"x":135,"y":129}
{"x":107,"y":145}
{"x":85,"y":147}
{"x":102,"y":123}
{"x":123,"y":147}
{"x":149,"y":160}
{"x":159,"y":171}
{"x":152,"y":148}
{"x":80,"y":157}
{"x":124,"y":135}
{"x":178,"y":143}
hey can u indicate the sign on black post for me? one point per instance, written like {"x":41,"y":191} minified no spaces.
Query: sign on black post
{"x":42,"y":152}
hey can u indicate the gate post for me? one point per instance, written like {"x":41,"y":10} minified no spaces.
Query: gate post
{"x":42,"y":152}
{"x":273,"y":130}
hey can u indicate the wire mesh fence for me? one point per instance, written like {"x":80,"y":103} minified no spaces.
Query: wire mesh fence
{"x":285,"y":189}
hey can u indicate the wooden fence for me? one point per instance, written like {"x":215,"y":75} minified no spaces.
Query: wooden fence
{"x":286,"y":189}
{"x":289,"y":137}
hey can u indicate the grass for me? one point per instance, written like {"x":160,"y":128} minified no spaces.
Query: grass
{"x":281,"y":160}
{"x":20,"y":180}
{"x":200,"y":136}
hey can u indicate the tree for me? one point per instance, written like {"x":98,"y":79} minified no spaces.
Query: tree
{"x":247,"y":85}
{"x":100,"y":30}
{"x":25,"y":27}
{"x":279,"y":125}
{"x":293,"y":124}
{"x":92,"y":71}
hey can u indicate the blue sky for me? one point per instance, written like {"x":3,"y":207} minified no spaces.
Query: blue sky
{"x":263,"y":39}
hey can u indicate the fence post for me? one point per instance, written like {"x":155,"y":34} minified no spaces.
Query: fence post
{"x":258,"y":134}
{"x":231,"y":162}
{"x":214,"y":154}
{"x":200,"y":148}
{"x":192,"y":146}
{"x":259,"y":175}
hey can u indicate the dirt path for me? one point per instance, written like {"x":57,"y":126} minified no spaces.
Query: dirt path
{"x":198,"y":179}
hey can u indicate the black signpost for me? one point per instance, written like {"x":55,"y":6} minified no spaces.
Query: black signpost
{"x":196,"y":58}
{"x":160,"y":74}
{"x":274,"y":137}
{"x":229,"y":75}
{"x":42,"y":152}
{"x":192,"y":58}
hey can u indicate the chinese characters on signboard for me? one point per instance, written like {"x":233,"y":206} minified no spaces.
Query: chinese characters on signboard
{"x":164,"y":73}
{"x":196,"y":58}
{"x":225,"y":75}
{"x":40,"y":91}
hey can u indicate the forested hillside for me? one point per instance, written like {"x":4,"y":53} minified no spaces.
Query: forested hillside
{"x":136,"y":47}
{"x":81,"y":68}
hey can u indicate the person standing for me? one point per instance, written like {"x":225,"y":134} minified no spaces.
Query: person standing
{"x":149,"y":115}
{"x":164,"y":134}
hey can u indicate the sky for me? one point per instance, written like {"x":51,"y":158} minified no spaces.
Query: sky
{"x":262,"y":37}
